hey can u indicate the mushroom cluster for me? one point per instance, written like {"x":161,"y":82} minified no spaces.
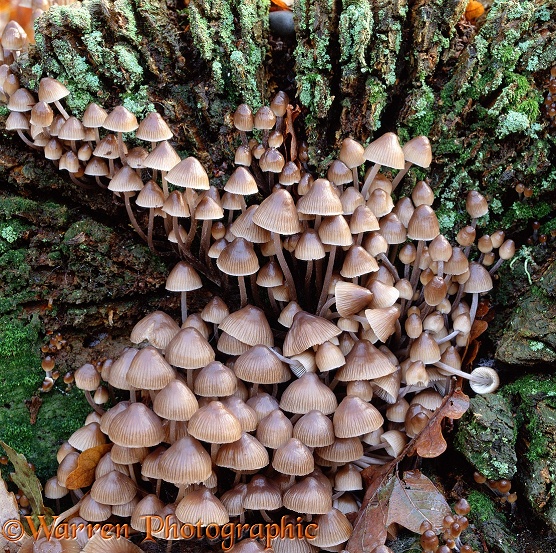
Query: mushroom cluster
{"x":349,"y":331}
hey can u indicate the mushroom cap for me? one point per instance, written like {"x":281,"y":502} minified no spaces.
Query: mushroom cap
{"x":244,"y":227}
{"x":157,"y":328}
{"x":277,"y":213}
{"x":202,"y":506}
{"x":248,"y":325}
{"x":423,"y":224}
{"x":418,"y":151}
{"x":213,"y":423}
{"x":321,"y":199}
{"x":149,"y":370}
{"x":355,"y":417}
{"x":307,"y":331}
{"x":308,"y":496}
{"x":120,"y":119}
{"x":86,"y":437}
{"x":183,"y":278}
{"x":51,"y":90}
{"x":489,"y":380}
{"x":274,"y":430}
{"x":365,"y":362}
{"x":241,"y":182}
{"x":352,"y":153}
{"x":114,"y":488}
{"x":163,"y":157}
{"x":124,"y":180}
{"x":93,"y":116}
{"x":386,"y":150}
{"x":189,"y":173}
{"x":243,"y":118}
{"x":189,"y":350}
{"x":175,"y":401}
{"x":153,"y":128}
{"x":314,"y":429}
{"x":151,"y":195}
{"x":261,"y":366}
{"x":238,"y":258}
{"x":479,"y":280}
{"x":136,"y":426}
{"x":245,"y":454}
{"x":306,"y":394}
{"x":185,"y":462}
{"x":293,"y":458}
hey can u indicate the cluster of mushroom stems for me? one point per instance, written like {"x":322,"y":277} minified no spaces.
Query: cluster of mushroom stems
{"x":354,"y":311}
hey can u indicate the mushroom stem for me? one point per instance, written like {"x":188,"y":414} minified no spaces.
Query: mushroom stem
{"x":355,"y":174}
{"x":496,"y":266}
{"x":389,"y":266}
{"x":329,"y":303}
{"x":265,"y":516}
{"x":369,"y":180}
{"x":284,"y":266}
{"x":272,"y":301}
{"x":416,"y":271}
{"x":205,"y":240}
{"x":183,"y":306}
{"x":181,"y":492}
{"x":61,"y":109}
{"x":308,"y":275}
{"x":327,"y":277}
{"x":255,"y":289}
{"x":242,"y":290}
{"x":131,"y":216}
{"x":401,"y":175}
{"x":448,"y":338}
{"x":457,"y":372}
{"x":121,"y":152}
{"x":214,"y":447}
{"x":150,"y":230}
{"x":90,"y":401}
{"x":473,"y":309}
{"x":27,"y":141}
{"x":296,"y":366}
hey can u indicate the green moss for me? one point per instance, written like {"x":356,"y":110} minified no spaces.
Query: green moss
{"x":527,"y":392}
{"x":482,"y":506}
{"x":20,"y":377}
{"x":139,"y":102}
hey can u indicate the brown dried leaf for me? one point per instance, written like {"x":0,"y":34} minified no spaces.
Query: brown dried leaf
{"x":370,"y":528}
{"x":84,"y":474}
{"x":26,"y":480}
{"x":431,"y":442}
{"x":414,"y":500}
{"x":8,"y":512}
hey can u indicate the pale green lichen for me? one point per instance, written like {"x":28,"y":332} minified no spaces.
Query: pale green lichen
{"x":512,"y":122}
{"x":230,"y":36}
{"x":355,"y":31}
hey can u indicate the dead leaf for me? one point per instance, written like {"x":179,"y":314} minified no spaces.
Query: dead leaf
{"x":477,"y":329}
{"x":370,"y":528}
{"x":9,"y":511}
{"x":430,"y":442}
{"x":33,"y":404}
{"x":26,"y":480}
{"x":414,"y":500}
{"x":84,"y":474}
